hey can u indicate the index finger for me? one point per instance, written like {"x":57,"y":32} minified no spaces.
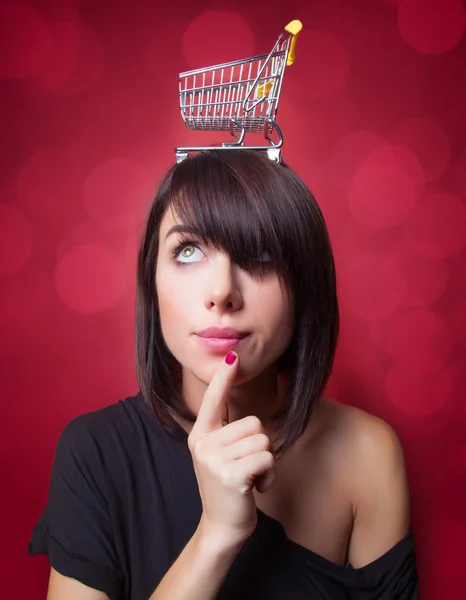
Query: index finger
{"x":214,"y":411}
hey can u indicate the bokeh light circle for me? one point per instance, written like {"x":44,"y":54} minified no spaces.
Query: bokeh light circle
{"x":437,"y":225}
{"x":90,"y":233}
{"x":373,"y":285}
{"x":27,"y":315}
{"x":427,"y":140}
{"x":426,"y":277}
{"x":118,"y":192}
{"x":414,"y":333}
{"x":385,"y":187}
{"x":49,"y":188}
{"x":76,"y":62}
{"x":16,"y":239}
{"x":431,"y":26}
{"x":418,"y":386}
{"x":354,"y":237}
{"x":90,"y":279}
{"x":408,"y":162}
{"x":356,"y":355}
{"x":217,"y":36}
{"x":351,"y":150}
{"x":336,"y":173}
{"x":26,"y":40}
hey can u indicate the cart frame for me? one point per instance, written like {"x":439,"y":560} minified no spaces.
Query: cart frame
{"x":244,"y":103}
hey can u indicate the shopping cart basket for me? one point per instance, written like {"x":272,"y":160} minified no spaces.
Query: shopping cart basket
{"x":239,"y":97}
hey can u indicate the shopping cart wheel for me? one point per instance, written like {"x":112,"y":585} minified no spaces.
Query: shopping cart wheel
{"x":181,"y":156}
{"x":274,"y":154}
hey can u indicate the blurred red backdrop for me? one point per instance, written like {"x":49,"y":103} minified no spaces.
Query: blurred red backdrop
{"x":373,"y":114}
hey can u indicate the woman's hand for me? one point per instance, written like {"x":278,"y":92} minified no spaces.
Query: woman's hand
{"x":230,"y":459}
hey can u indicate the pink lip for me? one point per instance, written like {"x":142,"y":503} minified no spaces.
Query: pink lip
{"x":221,"y":339}
{"x":219,"y":344}
{"x":222,"y":333}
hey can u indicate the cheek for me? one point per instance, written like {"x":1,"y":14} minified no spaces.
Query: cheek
{"x":167,"y":301}
{"x":273,"y":315}
{"x":175,"y":307}
{"x":283,"y":333}
{"x":275,"y":310}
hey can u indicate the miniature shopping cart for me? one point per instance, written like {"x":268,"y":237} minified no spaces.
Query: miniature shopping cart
{"x":239,"y":97}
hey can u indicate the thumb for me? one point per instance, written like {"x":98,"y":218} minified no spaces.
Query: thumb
{"x":263,"y":482}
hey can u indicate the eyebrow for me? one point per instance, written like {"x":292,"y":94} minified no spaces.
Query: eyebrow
{"x":181,"y":228}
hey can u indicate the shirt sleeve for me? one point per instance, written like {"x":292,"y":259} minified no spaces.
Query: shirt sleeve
{"x":391,"y":577}
{"x":75,"y":528}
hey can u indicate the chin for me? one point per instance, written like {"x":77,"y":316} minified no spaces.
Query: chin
{"x":211,"y":366}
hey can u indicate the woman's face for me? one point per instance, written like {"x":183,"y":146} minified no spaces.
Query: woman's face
{"x":199,"y":287}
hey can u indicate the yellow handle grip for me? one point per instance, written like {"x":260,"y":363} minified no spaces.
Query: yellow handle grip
{"x":294,"y":28}
{"x":264,"y":88}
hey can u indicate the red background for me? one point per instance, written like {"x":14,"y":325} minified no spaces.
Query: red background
{"x":373,"y":114}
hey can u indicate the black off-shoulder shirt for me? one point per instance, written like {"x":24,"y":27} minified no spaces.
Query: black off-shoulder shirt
{"x":124,"y":501}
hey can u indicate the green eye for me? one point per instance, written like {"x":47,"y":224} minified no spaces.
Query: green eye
{"x":185,"y":252}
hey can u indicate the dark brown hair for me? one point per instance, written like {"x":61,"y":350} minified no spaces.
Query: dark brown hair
{"x":243,"y":203}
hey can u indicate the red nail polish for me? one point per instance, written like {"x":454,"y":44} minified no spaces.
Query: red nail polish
{"x":230,"y":358}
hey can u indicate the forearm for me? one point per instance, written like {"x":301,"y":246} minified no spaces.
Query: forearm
{"x":199,"y":571}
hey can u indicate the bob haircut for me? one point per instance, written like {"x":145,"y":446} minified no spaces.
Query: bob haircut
{"x":243,"y":203}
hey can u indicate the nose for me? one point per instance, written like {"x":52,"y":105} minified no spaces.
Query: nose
{"x":222,"y":292}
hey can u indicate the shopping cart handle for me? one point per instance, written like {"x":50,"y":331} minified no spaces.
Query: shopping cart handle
{"x":294,"y":28}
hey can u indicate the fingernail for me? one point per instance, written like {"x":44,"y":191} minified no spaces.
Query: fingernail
{"x":230,"y":358}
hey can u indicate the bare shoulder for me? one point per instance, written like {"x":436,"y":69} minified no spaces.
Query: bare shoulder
{"x":61,"y":586}
{"x":371,"y":461}
{"x":359,"y":431}
{"x":346,"y":431}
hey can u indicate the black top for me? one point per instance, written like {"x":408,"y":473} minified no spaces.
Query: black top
{"x":124,"y":501}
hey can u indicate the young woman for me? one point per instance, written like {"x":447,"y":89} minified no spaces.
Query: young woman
{"x":229,"y":475}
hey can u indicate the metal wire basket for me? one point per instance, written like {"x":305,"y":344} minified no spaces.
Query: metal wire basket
{"x":239,"y":97}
